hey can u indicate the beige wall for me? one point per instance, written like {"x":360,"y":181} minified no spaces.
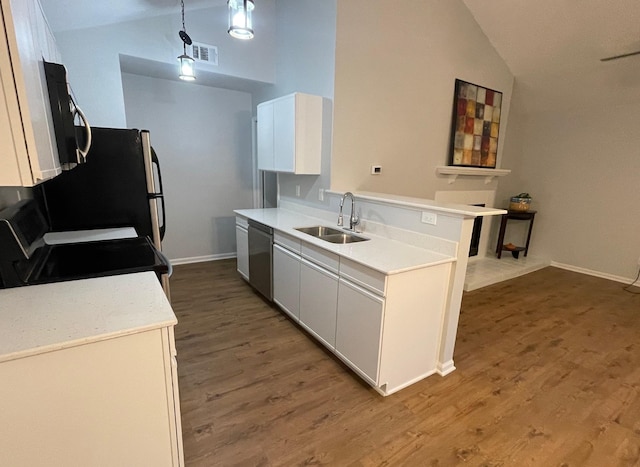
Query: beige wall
{"x":394,"y":92}
{"x":582,"y":168}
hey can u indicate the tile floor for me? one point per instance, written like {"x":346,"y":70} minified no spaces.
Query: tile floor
{"x":482,"y":272}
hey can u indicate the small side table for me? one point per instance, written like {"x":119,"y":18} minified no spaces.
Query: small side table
{"x":515,"y":215}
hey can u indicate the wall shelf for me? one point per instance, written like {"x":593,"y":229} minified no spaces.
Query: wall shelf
{"x":453,"y":172}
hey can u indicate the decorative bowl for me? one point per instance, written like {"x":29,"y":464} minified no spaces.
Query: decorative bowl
{"x":519,"y":204}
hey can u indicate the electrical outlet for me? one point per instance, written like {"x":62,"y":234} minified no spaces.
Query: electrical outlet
{"x":298,"y":190}
{"x":429,"y":218}
{"x":376,"y":169}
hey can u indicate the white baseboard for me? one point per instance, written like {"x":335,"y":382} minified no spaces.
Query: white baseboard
{"x":590,"y":272}
{"x":445,"y":368}
{"x":202,"y":259}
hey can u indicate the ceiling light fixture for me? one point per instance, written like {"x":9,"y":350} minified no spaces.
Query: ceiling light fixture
{"x":241,"y":18}
{"x":187,"y":64}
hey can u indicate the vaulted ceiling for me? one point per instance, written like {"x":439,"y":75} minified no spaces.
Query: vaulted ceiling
{"x":78,"y":14}
{"x":553,"y":47}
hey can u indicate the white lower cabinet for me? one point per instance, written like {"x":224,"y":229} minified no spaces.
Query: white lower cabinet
{"x":106,"y":403}
{"x":359,"y":328}
{"x":386,"y":327}
{"x":318,"y":301}
{"x":286,"y":280}
{"x":242,"y":248}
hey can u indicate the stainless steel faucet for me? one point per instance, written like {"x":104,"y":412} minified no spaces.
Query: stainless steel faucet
{"x":353,"y":219}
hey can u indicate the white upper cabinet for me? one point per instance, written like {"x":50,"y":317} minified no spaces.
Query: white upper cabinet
{"x":28,"y":152}
{"x":290,"y":134}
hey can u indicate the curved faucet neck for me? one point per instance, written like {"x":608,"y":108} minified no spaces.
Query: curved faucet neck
{"x":353,"y":219}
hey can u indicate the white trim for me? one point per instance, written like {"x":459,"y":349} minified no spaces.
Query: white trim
{"x":383,"y":389}
{"x":443,"y":369}
{"x":590,"y":272}
{"x":256,"y":174}
{"x":454,"y":171}
{"x":202,"y":259}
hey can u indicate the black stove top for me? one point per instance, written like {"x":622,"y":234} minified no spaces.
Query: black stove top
{"x":73,"y":261}
{"x":26,"y":260}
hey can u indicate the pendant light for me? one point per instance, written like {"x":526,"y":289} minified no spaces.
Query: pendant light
{"x":240,"y":18}
{"x":187,"y":64}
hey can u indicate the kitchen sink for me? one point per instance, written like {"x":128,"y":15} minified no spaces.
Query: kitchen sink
{"x":329,"y":234}
{"x":342,"y":238}
{"x":319,"y":230}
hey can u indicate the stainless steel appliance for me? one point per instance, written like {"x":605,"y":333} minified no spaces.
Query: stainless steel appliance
{"x":120,"y":185}
{"x":261,"y":258}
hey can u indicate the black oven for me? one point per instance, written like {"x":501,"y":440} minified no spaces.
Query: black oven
{"x":25,"y":259}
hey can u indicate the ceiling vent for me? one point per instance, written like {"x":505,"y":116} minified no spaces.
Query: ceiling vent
{"x":204,"y":53}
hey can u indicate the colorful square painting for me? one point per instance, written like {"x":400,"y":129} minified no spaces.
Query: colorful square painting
{"x":475,"y":125}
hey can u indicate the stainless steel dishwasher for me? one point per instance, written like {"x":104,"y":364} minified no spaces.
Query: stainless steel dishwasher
{"x":261,"y":258}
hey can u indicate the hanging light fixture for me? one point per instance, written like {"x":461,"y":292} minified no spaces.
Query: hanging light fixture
{"x":240,"y":18}
{"x":187,"y":64}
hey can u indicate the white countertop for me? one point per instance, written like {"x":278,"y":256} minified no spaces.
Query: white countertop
{"x":379,"y":253}
{"x":43,"y":318}
{"x":463,"y":210}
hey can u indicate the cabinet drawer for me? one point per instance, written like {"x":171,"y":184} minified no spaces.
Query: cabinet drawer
{"x":286,"y":241}
{"x":363,"y":276}
{"x":330,"y":261}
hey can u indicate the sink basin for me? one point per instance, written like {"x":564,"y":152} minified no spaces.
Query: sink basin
{"x":319,"y":230}
{"x":329,"y":234}
{"x":342,"y":238}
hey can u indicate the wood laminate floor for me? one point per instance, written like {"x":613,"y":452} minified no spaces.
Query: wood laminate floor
{"x":548,"y":374}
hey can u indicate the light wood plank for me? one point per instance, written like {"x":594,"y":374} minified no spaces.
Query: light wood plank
{"x":548,"y":373}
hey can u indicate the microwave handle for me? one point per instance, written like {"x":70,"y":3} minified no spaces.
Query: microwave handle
{"x":82,"y":152}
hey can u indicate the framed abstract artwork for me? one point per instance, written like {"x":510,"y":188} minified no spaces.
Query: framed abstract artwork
{"x":475,"y":126}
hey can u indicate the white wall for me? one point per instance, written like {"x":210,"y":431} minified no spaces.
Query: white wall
{"x":92,"y":55}
{"x":582,"y":169}
{"x":395,"y":74}
{"x":201,"y":135}
{"x":305,"y":57}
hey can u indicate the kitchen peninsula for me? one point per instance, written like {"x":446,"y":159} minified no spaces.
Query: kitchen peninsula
{"x":387,"y":306}
{"x":89,"y":374}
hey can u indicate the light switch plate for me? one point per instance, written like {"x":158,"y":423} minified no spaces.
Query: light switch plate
{"x":429,"y":218}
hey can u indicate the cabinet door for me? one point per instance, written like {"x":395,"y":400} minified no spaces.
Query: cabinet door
{"x":284,"y":134}
{"x":359,"y":326}
{"x":14,"y":160}
{"x":286,"y":281}
{"x":25,"y":32}
{"x":265,"y":136}
{"x":110,"y":397}
{"x":242,"y":247}
{"x":46,"y":39}
{"x":318,"y":301}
